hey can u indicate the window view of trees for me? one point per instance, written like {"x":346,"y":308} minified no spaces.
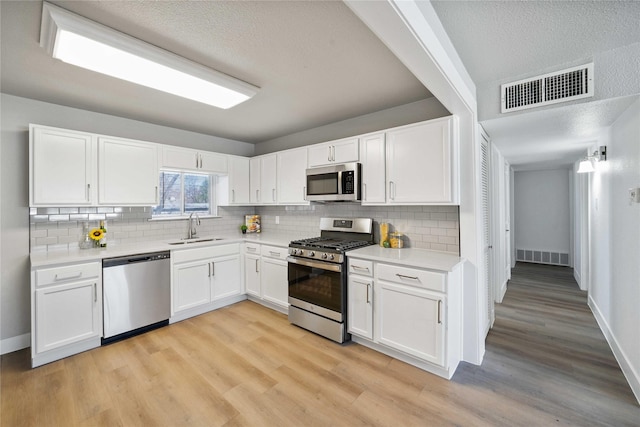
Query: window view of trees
{"x":183,"y":193}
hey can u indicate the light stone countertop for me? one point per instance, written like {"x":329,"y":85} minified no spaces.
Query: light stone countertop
{"x":409,"y":257}
{"x":76,"y":255}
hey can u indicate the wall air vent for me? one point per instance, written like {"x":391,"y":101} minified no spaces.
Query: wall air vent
{"x":560,"y":86}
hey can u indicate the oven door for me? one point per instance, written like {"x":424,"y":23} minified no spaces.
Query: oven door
{"x":318,"y":287}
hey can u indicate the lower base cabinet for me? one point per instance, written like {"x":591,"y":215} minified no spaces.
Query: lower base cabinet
{"x":66,"y":307}
{"x":201,"y":277}
{"x":265,"y":275}
{"x":409,"y":313}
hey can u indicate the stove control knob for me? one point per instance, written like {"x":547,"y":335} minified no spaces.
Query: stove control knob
{"x":299,"y":252}
{"x":311,"y":253}
{"x":324,"y":256}
{"x":331,"y":257}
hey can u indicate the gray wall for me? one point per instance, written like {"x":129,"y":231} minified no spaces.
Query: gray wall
{"x":414,"y":112}
{"x":17,"y":113}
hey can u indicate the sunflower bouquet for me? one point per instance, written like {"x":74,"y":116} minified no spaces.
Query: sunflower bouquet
{"x":96,"y":235}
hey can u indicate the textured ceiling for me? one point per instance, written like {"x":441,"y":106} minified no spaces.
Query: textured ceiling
{"x":315,"y":62}
{"x":504,"y":41}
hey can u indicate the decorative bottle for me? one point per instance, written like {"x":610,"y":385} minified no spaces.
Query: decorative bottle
{"x":103,"y":240}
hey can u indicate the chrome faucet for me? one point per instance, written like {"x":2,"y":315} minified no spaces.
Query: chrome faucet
{"x":192,"y":225}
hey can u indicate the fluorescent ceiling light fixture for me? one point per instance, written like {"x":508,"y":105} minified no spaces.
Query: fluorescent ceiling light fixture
{"x":87,"y":44}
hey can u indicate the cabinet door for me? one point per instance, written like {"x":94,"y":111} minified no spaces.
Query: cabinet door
{"x":239,"y":180}
{"x":275,"y":285}
{"x":67,"y":314}
{"x":179,"y":158}
{"x":127,"y":172}
{"x":62,"y":167}
{"x":254,"y":179}
{"x":212,"y":162}
{"x":411,"y":320}
{"x":419,"y":163}
{"x":225,"y":277}
{"x":252,"y":275}
{"x":191,"y":284}
{"x":319,"y":155}
{"x":268,"y":179}
{"x":292,"y":178}
{"x":345,"y":151}
{"x":360,"y":306}
{"x":372,"y":149}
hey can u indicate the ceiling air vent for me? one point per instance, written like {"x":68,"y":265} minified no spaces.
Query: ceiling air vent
{"x":560,"y":86}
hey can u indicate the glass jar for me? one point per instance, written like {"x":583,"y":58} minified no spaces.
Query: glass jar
{"x":384,"y":233}
{"x":85,"y":240}
{"x":396,"y":240}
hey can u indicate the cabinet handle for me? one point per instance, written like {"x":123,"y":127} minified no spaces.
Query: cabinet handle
{"x":200,"y":160}
{"x":197,"y":159}
{"x":88,"y":192}
{"x":73,"y":276}
{"x":392,"y":190}
{"x":95,"y":292}
{"x":402,"y":276}
{"x":357,"y":267}
{"x":272,"y":253}
{"x":213,"y":268}
{"x":329,"y":156}
{"x":233,"y":196}
{"x":333,"y":153}
{"x":257,"y":270}
{"x":364,"y":191}
{"x":368,"y":301}
{"x":209,"y":269}
{"x":257,"y":195}
{"x":157,"y":196}
{"x":304,"y":193}
{"x":273,"y":194}
{"x":249,"y":248}
{"x":439,"y":311}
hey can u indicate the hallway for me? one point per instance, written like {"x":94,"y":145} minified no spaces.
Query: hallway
{"x":546,"y":351}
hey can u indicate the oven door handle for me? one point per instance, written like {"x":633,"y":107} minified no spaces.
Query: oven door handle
{"x":316,"y":264}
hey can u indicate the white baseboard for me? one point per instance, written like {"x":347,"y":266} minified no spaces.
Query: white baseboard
{"x":627,"y":369}
{"x":9,"y":345}
{"x":578,"y":279}
{"x":502,"y":291}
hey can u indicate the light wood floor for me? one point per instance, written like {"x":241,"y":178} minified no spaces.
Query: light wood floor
{"x":546,"y":364}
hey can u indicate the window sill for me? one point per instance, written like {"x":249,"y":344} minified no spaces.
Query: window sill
{"x":181,"y":217}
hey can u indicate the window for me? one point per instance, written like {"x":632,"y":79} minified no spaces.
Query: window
{"x":184,"y":193}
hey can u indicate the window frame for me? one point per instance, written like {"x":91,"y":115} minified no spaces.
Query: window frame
{"x":213,"y":205}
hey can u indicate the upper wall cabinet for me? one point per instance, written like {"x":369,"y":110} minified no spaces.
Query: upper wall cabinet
{"x":372,"y":156}
{"x":62,"y":167}
{"x":127,"y":172}
{"x":422,"y":163}
{"x":292,"y":177}
{"x":263,"y":180}
{"x":340,"y":151}
{"x":238,"y":180}
{"x":192,"y":160}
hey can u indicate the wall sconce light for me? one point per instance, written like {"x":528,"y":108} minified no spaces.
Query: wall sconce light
{"x":87,"y":44}
{"x":586,"y":164}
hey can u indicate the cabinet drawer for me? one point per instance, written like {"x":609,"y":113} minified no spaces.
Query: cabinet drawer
{"x":58,"y":275}
{"x":362,"y":267}
{"x":252,"y":248}
{"x":274,"y":252}
{"x":412,"y":277}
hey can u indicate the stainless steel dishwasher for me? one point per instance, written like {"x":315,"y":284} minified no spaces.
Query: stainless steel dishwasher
{"x":136,"y":294}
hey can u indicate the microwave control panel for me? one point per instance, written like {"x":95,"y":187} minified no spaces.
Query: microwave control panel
{"x":348,"y":182}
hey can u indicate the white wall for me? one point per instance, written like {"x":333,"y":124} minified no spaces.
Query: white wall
{"x":17,"y":113}
{"x":542,"y":210}
{"x":614,"y":285}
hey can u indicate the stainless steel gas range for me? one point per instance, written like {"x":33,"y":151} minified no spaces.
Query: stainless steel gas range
{"x":318,"y":275}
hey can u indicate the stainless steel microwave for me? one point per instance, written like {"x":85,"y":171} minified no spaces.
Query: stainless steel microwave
{"x":335,"y":183}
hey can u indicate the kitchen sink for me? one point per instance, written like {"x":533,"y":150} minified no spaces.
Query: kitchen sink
{"x":195,"y":240}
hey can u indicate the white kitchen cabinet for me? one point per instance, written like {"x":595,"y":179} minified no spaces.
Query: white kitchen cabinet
{"x":421,"y":163}
{"x":204,"y":279}
{"x":127,"y":172}
{"x":191,"y":284}
{"x":339,"y":151}
{"x":238,"y":180}
{"x":274,"y":282}
{"x":186,"y":159}
{"x":263,"y":179}
{"x":360,"y":306}
{"x":66,"y":307}
{"x":62,"y":167}
{"x":225,"y":277}
{"x":292,"y":178}
{"x":252,"y":275}
{"x":372,"y":156}
{"x":411,"y":320}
